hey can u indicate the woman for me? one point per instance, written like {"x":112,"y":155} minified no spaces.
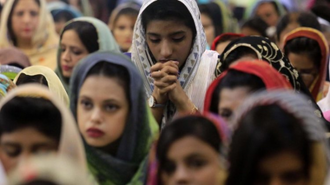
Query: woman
{"x":307,"y":50}
{"x":14,"y":57}
{"x":255,"y":26}
{"x":117,"y":127}
{"x":45,"y":76}
{"x":25,"y":113}
{"x":27,"y":25}
{"x":190,"y":150}
{"x":49,"y":170}
{"x":168,"y":49}
{"x":121,"y":24}
{"x":292,"y":21}
{"x":221,"y":42}
{"x":226,"y":94}
{"x":270,"y":11}
{"x":278,"y":140}
{"x":216,"y":19}
{"x":79,"y":38}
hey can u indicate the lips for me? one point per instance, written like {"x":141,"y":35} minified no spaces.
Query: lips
{"x":66,"y":68}
{"x":94,"y":133}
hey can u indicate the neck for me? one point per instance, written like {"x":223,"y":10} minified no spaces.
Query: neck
{"x":111,"y":148}
{"x":24,"y":44}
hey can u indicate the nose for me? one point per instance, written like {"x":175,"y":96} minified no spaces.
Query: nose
{"x":66,"y":56}
{"x":181,"y":175}
{"x":26,"y":17}
{"x":275,"y":181}
{"x":166,"y":50}
{"x":96,"y":116}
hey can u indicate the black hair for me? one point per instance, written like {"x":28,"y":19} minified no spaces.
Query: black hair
{"x":196,"y":126}
{"x":258,"y":25}
{"x":26,"y":79}
{"x":87,"y":34}
{"x":234,"y":79}
{"x":263,"y":132}
{"x":132,"y":12}
{"x":304,"y":19}
{"x":39,"y":113}
{"x":304,"y":45}
{"x":213,"y":11}
{"x":62,"y":15}
{"x":168,"y":10}
{"x":237,"y":54}
{"x":9,"y":23}
{"x":118,"y":72}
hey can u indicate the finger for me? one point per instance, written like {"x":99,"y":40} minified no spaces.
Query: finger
{"x":167,"y":89}
{"x":172,"y":64}
{"x":170,"y":70}
{"x":169,"y":79}
{"x":161,"y":85}
{"x":156,"y":67}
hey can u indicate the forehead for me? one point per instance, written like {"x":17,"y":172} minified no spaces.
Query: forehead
{"x":166,"y":26}
{"x":24,"y":4}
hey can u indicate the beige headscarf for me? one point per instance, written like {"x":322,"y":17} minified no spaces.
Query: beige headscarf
{"x":70,"y":141}
{"x":54,"y":83}
{"x":45,"y":39}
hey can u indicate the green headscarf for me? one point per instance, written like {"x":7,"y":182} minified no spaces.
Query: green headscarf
{"x":254,"y":4}
{"x":129,"y":164}
{"x":106,"y":43}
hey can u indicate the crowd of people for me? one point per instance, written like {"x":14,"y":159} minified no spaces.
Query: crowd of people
{"x":164,"y":92}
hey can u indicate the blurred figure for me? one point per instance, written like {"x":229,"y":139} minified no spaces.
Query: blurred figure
{"x":307,"y":50}
{"x":255,"y":26}
{"x":278,"y":140}
{"x":270,"y":11}
{"x":190,"y":150}
{"x":79,"y":38}
{"x":83,"y":6}
{"x":6,"y":85}
{"x":14,"y":57}
{"x":44,"y":76}
{"x":28,"y":25}
{"x":216,"y":19}
{"x":108,"y":101}
{"x":121,"y":24}
{"x":62,"y":13}
{"x":27,"y":130}
{"x":49,"y":170}
{"x":221,"y":42}
{"x":292,"y":21}
{"x":226,"y":94}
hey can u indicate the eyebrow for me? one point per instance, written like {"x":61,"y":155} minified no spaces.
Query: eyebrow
{"x":8,"y":143}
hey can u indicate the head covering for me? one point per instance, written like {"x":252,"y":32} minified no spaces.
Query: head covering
{"x":269,"y":76}
{"x":58,"y":170}
{"x":10,"y":71}
{"x":228,"y":35}
{"x":106,"y":43}
{"x":44,"y":41}
{"x":252,"y":8}
{"x":126,"y":167}
{"x":10,"y":56}
{"x":118,"y":9}
{"x":223,"y":132}
{"x":297,"y":106}
{"x":54,"y":83}
{"x":317,"y":86}
{"x":57,"y":7}
{"x":70,"y":142}
{"x":195,"y":75}
{"x":5,"y":85}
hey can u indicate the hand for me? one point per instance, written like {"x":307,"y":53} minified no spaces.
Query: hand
{"x":180,"y":99}
{"x":165,"y":77}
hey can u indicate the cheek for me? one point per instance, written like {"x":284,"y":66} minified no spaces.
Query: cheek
{"x":210,"y":175}
{"x":7,"y":162}
{"x":115,"y":124}
{"x":82,"y":118}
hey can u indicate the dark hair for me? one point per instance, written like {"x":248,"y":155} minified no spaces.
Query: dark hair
{"x":39,"y":113}
{"x":258,"y":25}
{"x":9,"y":23}
{"x":304,"y":45}
{"x":118,"y":72}
{"x":26,"y":79}
{"x":234,"y":79}
{"x":213,"y":11}
{"x":196,"y":126}
{"x":62,"y":15}
{"x":168,"y":10}
{"x":304,"y":19}
{"x":263,"y":132}
{"x":132,"y":12}
{"x":237,"y":54}
{"x":87,"y":34}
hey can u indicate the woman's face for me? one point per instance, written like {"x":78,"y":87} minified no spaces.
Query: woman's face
{"x":25,"y":19}
{"x":231,"y":100}
{"x":268,"y":13}
{"x":15,"y":146}
{"x":72,"y":51}
{"x":123,"y":31}
{"x":208,"y":28}
{"x":102,"y":110}
{"x":192,"y":161}
{"x":284,"y":168}
{"x":169,"y":40}
{"x":305,"y":66}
